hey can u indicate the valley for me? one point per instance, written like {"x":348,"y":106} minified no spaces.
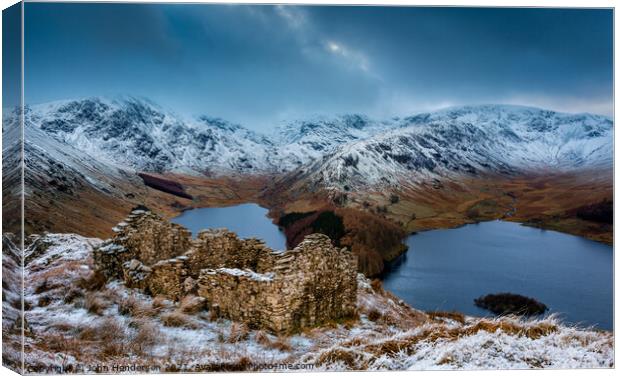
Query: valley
{"x":88,"y":162}
{"x":368,"y":185}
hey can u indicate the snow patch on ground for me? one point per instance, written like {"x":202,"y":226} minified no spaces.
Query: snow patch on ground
{"x":70,"y":325}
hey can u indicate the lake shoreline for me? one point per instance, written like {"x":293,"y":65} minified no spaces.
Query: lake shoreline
{"x":578,"y":248}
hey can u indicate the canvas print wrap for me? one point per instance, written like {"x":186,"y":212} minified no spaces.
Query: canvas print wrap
{"x":223,"y":187}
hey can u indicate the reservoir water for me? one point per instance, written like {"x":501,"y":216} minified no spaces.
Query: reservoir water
{"x":247,"y":220}
{"x":447,"y":269}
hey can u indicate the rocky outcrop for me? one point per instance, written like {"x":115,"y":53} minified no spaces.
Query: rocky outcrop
{"x":241,"y":279}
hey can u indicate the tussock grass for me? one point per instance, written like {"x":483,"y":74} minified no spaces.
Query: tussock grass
{"x":456,"y":316}
{"x":95,"y":303}
{"x":160,"y":302}
{"x":281,"y":343}
{"x":44,"y":301}
{"x":212,"y":315}
{"x":93,"y":282}
{"x":147,"y":336}
{"x":262,"y":338}
{"x":61,"y":343}
{"x":238,"y":332}
{"x":392,"y":346}
{"x":72,"y":294}
{"x":178,"y":319}
{"x":377,"y":285}
{"x":339,"y":354}
{"x":192,"y":304}
{"x":105,"y":330}
{"x":374,"y":315}
{"x":131,"y":306}
{"x":45,"y":286}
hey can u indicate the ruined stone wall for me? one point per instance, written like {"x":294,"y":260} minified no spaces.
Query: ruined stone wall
{"x":168,"y":277}
{"x":150,"y":238}
{"x":307,"y":286}
{"x":224,"y":249}
{"x":241,"y":279}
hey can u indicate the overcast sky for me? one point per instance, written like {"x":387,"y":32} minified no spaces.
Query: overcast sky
{"x":259,"y":65}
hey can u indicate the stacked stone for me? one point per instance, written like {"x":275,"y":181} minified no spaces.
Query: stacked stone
{"x":151,"y":238}
{"x":223,"y":249}
{"x":168,"y":278}
{"x":238,"y":295}
{"x":309,"y":285}
{"x":242,"y":280}
{"x":109,"y":258}
{"x":136,"y":274}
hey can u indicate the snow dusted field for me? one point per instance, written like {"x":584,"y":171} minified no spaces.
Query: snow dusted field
{"x":76,"y":322}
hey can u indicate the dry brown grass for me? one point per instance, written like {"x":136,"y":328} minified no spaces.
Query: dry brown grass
{"x":113,"y":349}
{"x":60,"y":343}
{"x":178,"y":319}
{"x":262,"y":338}
{"x":212,"y":315}
{"x":281,"y":343}
{"x":72,"y":294}
{"x":238,"y":332}
{"x":336,"y":355}
{"x":437,"y":332}
{"x":374,"y":315}
{"x":456,"y":316}
{"x":146,"y":337}
{"x":532,"y":331}
{"x":64,"y":327}
{"x":105,"y":330}
{"x":135,"y":307}
{"x":93,"y":282}
{"x":160,"y":302}
{"x":192,"y":304}
{"x":377,"y":285}
{"x":95,"y":303}
{"x":44,"y":286}
{"x":44,"y":301}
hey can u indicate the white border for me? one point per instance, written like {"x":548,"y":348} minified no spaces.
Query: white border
{"x":479,"y":3}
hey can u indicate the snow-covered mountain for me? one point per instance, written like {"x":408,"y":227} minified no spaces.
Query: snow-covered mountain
{"x":341,"y":152}
{"x":468,"y":141}
{"x":137,"y":134}
{"x":300,"y":142}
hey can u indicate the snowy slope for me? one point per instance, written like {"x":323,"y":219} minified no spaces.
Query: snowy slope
{"x":348,"y":150}
{"x":73,"y":325}
{"x":137,"y":134}
{"x":301,"y":142}
{"x":470,"y":141}
{"x":52,"y":163}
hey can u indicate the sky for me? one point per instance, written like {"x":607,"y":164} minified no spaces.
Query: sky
{"x":262,"y":65}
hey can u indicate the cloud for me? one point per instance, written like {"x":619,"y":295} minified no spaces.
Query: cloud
{"x":293,"y":16}
{"x":570,"y":104}
{"x":357,"y":58}
{"x":309,"y":37}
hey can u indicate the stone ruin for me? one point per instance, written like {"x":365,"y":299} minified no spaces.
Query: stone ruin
{"x":241,"y":279}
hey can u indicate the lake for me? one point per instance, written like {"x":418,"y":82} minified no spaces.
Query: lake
{"x":247,"y":220}
{"x":447,"y":269}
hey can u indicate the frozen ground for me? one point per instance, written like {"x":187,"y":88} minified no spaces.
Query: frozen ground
{"x":76,"y":322}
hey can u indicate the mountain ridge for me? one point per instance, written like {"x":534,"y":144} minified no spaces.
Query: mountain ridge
{"x":338,"y":152}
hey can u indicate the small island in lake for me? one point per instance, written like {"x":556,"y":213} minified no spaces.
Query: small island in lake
{"x":507,"y":303}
